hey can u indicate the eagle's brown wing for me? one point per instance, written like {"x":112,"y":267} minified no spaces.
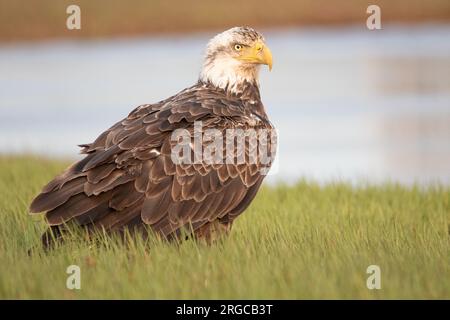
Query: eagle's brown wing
{"x":128,"y":176}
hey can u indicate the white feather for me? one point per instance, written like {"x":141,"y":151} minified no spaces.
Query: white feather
{"x":225,"y":71}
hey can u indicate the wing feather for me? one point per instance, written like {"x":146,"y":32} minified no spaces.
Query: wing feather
{"x":128,"y":176}
{"x":51,"y":200}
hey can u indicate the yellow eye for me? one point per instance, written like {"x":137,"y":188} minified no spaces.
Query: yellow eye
{"x":237,"y":47}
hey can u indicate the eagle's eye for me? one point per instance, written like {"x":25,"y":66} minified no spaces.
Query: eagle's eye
{"x":238,"y":47}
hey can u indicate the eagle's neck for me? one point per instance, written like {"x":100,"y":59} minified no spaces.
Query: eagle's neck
{"x":246,"y":92}
{"x":229,"y":75}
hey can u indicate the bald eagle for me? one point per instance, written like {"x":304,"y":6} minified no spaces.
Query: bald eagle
{"x":129,"y":177}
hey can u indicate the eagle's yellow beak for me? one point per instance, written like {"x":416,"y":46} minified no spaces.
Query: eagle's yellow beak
{"x":258,"y":53}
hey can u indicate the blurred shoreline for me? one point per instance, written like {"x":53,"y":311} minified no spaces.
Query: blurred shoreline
{"x":350,"y":104}
{"x":20,"y":21}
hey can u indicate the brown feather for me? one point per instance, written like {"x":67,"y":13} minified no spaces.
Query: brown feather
{"x":124,"y":196}
{"x":75,"y":206}
{"x":51,"y":200}
{"x":127,"y":176}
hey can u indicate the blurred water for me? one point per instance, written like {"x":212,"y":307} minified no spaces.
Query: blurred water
{"x":350,"y":104}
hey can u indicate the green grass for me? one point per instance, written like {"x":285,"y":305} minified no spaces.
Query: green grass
{"x":302,"y":241}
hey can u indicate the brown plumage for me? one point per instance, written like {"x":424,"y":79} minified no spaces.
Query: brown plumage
{"x":128,"y":178}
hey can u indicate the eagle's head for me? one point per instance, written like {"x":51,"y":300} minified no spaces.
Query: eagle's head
{"x":233,"y":57}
